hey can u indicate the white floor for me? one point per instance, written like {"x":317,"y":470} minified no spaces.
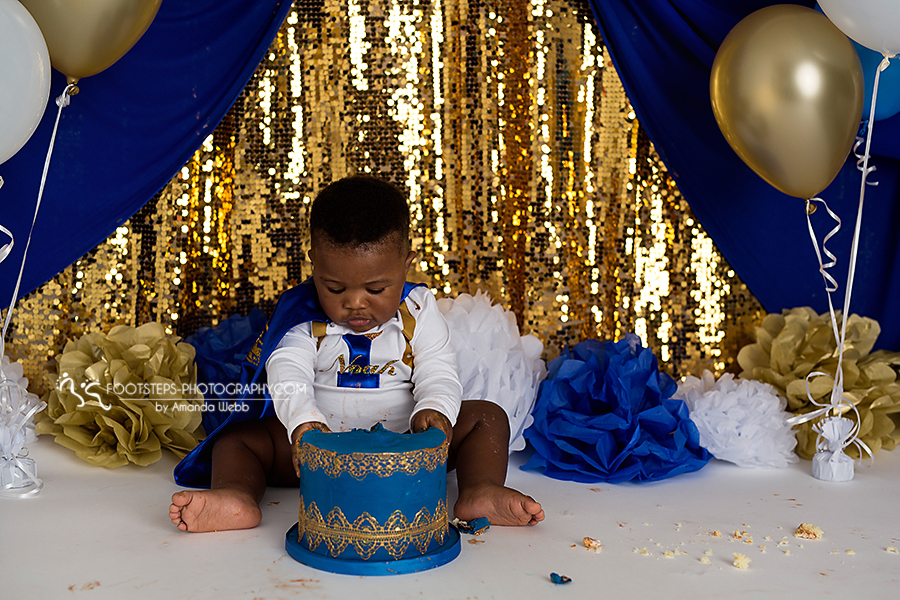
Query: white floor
{"x":94,"y":533}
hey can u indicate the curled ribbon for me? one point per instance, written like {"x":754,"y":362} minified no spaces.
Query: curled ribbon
{"x":13,"y":457}
{"x":838,"y":403}
{"x":13,"y":454}
{"x":860,"y":158}
{"x":831,"y":284}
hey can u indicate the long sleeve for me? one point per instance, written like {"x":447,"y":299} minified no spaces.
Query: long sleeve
{"x":291,"y":377}
{"x":434,"y":376}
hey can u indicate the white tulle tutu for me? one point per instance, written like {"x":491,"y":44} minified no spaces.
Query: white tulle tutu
{"x":495,"y":362}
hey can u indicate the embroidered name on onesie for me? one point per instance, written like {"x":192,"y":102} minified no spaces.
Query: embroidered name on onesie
{"x":360,"y":373}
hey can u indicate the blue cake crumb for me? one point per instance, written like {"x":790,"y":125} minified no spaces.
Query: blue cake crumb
{"x":557,"y":578}
{"x":474,"y":527}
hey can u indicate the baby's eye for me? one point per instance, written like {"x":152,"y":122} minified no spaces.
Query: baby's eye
{"x":335,"y":290}
{"x":377,"y":291}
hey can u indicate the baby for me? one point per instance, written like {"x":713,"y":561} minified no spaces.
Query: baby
{"x":361,"y":346}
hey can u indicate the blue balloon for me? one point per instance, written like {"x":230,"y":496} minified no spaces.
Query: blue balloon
{"x":887,"y":104}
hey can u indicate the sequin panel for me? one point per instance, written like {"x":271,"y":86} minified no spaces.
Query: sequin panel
{"x":527,"y":172}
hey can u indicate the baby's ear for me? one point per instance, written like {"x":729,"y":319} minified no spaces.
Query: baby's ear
{"x":409,"y":258}
{"x":309,"y":255}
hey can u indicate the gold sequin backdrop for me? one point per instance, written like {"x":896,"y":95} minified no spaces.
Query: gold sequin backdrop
{"x":527,"y":173}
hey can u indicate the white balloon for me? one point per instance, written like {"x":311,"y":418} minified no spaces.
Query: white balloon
{"x":24,"y":77}
{"x":873,"y":23}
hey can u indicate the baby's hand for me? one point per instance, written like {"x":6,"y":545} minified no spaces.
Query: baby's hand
{"x":431,"y":418}
{"x":295,"y":439}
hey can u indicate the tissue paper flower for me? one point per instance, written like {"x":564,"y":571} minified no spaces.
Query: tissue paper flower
{"x":741,"y":421}
{"x":495,"y":362}
{"x":124,"y":396}
{"x":797,"y":342}
{"x":220,"y":351}
{"x":605,"y":413}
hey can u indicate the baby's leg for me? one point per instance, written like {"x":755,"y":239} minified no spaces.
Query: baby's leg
{"x":480,"y":451}
{"x":244,"y":458}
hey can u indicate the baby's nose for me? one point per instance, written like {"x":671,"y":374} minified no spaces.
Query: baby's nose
{"x":356,"y":300}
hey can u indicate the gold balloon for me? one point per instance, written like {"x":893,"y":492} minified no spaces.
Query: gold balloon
{"x":87,"y":36}
{"x":787,"y":92}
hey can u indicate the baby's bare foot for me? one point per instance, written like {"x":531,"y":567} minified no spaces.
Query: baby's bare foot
{"x":214,"y":510}
{"x":501,"y":505}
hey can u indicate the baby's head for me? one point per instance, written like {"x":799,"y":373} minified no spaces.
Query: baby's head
{"x":359,"y":230}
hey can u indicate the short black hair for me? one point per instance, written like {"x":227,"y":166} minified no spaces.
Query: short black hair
{"x":359,"y":211}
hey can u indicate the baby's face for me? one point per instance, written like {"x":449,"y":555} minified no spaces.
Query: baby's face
{"x":360,"y":289}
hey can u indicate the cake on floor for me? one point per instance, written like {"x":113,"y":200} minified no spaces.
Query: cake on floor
{"x":373,"y":502}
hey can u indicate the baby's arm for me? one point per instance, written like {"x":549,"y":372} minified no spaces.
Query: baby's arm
{"x":290,"y":374}
{"x":436,"y":388}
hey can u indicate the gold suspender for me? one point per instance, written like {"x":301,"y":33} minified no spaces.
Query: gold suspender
{"x":409,"y":328}
{"x":319,"y":330}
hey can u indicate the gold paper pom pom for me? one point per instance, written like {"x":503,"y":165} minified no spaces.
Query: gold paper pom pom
{"x":791,"y":345}
{"x":124,"y":396}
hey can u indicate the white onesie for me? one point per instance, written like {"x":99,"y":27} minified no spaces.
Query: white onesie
{"x":331,"y":374}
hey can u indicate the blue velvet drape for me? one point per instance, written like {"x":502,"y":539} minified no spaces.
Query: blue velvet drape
{"x":129,"y":130}
{"x":134,"y":125}
{"x":663,"y":51}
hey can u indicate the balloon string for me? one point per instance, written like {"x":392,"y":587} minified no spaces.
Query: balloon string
{"x":854,"y":249}
{"x":61,"y":102}
{"x":837,"y":398}
{"x":831,"y":284}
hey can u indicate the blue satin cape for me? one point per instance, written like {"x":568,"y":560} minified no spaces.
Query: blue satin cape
{"x":300,"y":304}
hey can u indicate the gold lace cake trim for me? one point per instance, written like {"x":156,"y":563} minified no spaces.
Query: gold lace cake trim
{"x":360,"y":464}
{"x":366,"y":535}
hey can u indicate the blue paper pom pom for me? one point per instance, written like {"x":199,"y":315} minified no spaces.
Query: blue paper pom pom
{"x":606,"y":413}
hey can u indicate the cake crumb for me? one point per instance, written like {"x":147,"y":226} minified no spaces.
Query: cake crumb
{"x":708,"y":553}
{"x":892,"y":550}
{"x":808,"y":531}
{"x":592,"y":544}
{"x":787,"y":552}
{"x":668,"y":554}
{"x":768,"y":538}
{"x":741,"y":561}
{"x":850,"y":552}
{"x":783,"y":543}
{"x":705,"y":560}
{"x":762,"y":548}
{"x":716,"y":533}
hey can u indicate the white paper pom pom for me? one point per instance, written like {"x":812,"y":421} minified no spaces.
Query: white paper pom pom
{"x":741,"y":421}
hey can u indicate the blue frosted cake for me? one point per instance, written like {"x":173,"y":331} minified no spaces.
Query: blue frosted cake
{"x":373,"y":502}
